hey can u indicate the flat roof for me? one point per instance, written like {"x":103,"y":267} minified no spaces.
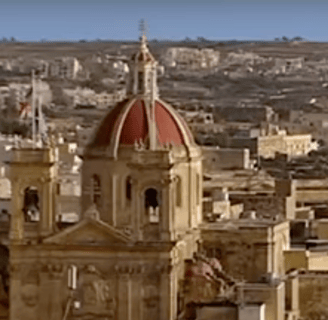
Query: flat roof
{"x":239,"y":224}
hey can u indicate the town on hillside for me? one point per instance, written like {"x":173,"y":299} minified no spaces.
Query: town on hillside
{"x":164,"y":180}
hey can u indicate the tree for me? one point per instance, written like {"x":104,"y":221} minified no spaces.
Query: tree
{"x":298,"y":38}
{"x":187,"y":39}
{"x":284,"y":38}
{"x":202,"y":39}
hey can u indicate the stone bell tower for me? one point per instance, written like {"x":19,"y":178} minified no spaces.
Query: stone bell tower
{"x":143,"y":169}
{"x":32,"y":172}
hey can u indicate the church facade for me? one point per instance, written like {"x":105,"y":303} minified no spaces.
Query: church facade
{"x":142,"y":204}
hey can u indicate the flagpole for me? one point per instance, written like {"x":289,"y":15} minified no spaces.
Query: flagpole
{"x":33,"y":108}
{"x":40,"y":122}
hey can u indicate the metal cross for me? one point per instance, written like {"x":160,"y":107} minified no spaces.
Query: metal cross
{"x":143,"y":28}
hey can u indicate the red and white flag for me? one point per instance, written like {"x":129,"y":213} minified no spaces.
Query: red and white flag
{"x":25,"y":110}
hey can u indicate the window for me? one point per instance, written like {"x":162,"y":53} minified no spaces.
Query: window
{"x":96,"y":189}
{"x":58,"y":188}
{"x":140,"y":82}
{"x":152,"y":205}
{"x":128,"y":188}
{"x":178,"y":192}
{"x":31,"y":205}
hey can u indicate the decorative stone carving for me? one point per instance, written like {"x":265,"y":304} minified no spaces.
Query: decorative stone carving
{"x":30,"y":294}
{"x":133,"y":181}
{"x":98,"y":293}
{"x":44,"y":179}
{"x":164,"y":268}
{"x":15,"y":270}
{"x":92,"y":213}
{"x":30,"y":286}
{"x":169,"y":179}
{"x":151,"y":296}
{"x":55,"y":271}
{"x":139,"y":145}
{"x":130,"y":269}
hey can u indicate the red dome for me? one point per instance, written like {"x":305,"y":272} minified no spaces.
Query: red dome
{"x":129,"y":122}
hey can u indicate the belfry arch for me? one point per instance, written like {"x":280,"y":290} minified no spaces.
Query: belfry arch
{"x":32,"y":173}
{"x":31,"y":207}
{"x":152,"y":205}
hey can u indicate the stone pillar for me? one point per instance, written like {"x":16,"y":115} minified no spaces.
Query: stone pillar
{"x":56,"y":280}
{"x":17,"y":216}
{"x":124,"y":297}
{"x":47,"y":213}
{"x":136,"y":296}
{"x":51,"y":288}
{"x":167,"y":209}
{"x":113,"y":220}
{"x":137,"y":207}
{"x":168,"y":295}
{"x":14,"y":292}
{"x":106,"y":198}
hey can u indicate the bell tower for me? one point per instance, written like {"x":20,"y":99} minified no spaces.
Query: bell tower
{"x":165,"y":194}
{"x":32,"y":172}
{"x":142,"y":168}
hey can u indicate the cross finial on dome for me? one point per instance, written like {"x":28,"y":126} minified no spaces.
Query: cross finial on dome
{"x":143,"y":28}
{"x":143,"y":36}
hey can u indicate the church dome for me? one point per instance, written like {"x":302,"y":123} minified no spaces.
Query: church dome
{"x":143,"y":118}
{"x":129,"y":123}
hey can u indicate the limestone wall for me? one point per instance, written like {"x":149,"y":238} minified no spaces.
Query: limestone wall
{"x":248,"y":252}
{"x":273,"y":295}
{"x":295,"y":259}
{"x":218,"y":159}
{"x":313,"y":295}
{"x":107,"y":287}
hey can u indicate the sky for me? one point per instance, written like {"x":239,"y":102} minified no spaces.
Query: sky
{"x":35,"y":20}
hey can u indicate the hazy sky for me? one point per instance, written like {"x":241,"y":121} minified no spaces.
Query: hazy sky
{"x":217,"y":20}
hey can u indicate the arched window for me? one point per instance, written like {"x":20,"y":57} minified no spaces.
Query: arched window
{"x":128,"y":188}
{"x":141,"y":76}
{"x":152,"y":205}
{"x":31,"y":207}
{"x":96,"y":189}
{"x":178,"y":192}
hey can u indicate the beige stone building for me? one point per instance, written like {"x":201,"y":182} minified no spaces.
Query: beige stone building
{"x":65,"y":67}
{"x":191,"y":58}
{"x":248,"y":248}
{"x":141,"y":198}
{"x":138,"y":251}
